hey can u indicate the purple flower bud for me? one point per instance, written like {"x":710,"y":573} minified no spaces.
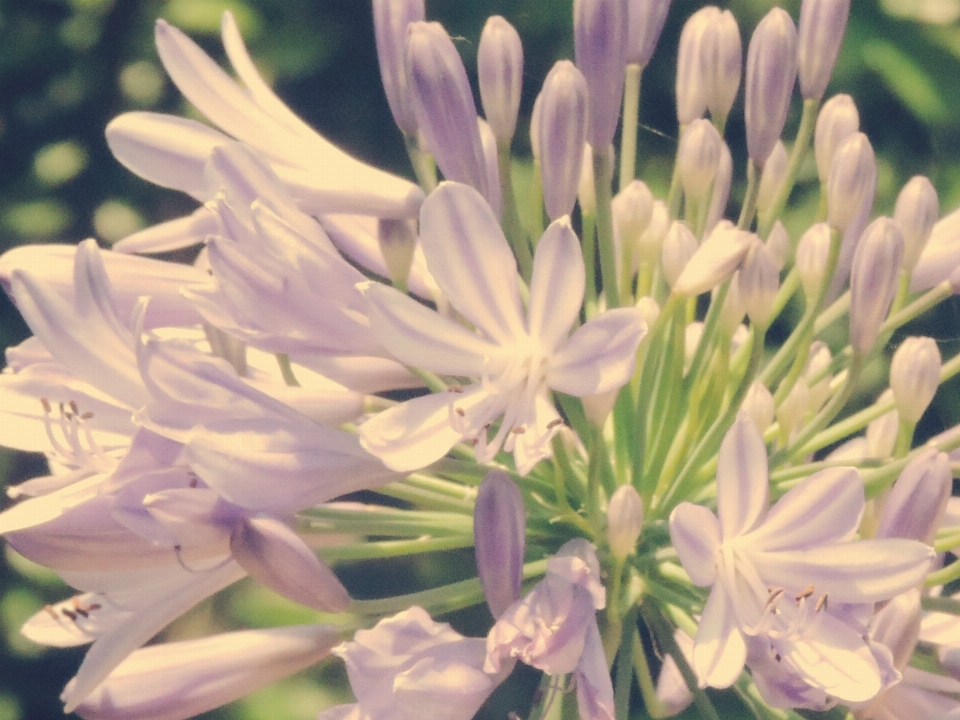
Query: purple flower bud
{"x":873,"y":280}
{"x":624,"y":521}
{"x":646,"y":22}
{"x":714,"y":261}
{"x":691,"y":85}
{"x":535,"y":126}
{"x":838,"y":120}
{"x":916,"y":212}
{"x":443,"y":103}
{"x":778,"y":243}
{"x":499,"y":535}
{"x":816,"y":375}
{"x":822,"y":24}
{"x":813,"y":251}
{"x":492,"y":161}
{"x":793,"y":410}
{"x":650,"y":246}
{"x":500,"y":72}
{"x":390,"y":20}
{"x":852,"y":181}
{"x":562,"y":131}
{"x":881,"y":433}
{"x":709,"y":63}
{"x":759,"y":280}
{"x":897,"y":626}
{"x":915,"y":376}
{"x":679,"y":245}
{"x":632,"y":210}
{"x":758,"y":406}
{"x":698,"y":157}
{"x":774,"y":172}
{"x":918,"y":499}
{"x":721,"y":188}
{"x":600,"y":43}
{"x":771,"y":74}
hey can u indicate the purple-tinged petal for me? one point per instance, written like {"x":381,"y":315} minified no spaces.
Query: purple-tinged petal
{"x":182,"y":232}
{"x":557,"y":285}
{"x":695,"y":533}
{"x":918,"y":501}
{"x":600,"y":355}
{"x":719,"y":651}
{"x":824,"y":508}
{"x":499,"y":532}
{"x":742,"y":481}
{"x":277,"y":557}
{"x":471,"y":261}
{"x":594,"y":689}
{"x":860,"y":572}
{"x":418,"y":336}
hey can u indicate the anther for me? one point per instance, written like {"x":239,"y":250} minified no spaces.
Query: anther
{"x":455,"y":389}
{"x":94,"y":606}
{"x":821,"y":603}
{"x":73,"y":408}
{"x":51,"y":612}
{"x":518,"y":430}
{"x":69,"y":614}
{"x":556,"y":422}
{"x":775,"y":594}
{"x":86,"y":416}
{"x":806,"y":593}
{"x":46,"y":405}
{"x":459,"y":412}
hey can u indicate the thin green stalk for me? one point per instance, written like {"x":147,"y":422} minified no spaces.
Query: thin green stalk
{"x":940,"y":604}
{"x":602,"y":179}
{"x":423,"y":165}
{"x":510,"y":221}
{"x":286,"y":370}
{"x":749,"y":208}
{"x":588,"y":221}
{"x":392,"y":548}
{"x":631,"y":117}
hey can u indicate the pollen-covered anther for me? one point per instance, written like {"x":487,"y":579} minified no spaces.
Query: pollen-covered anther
{"x":821,"y":603}
{"x":806,"y":593}
{"x":775,"y":594}
{"x":557,"y":422}
{"x":455,"y":389}
{"x":518,"y":430}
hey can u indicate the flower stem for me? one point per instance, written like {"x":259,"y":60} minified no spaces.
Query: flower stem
{"x":512,"y":227}
{"x":602,"y":179}
{"x":631,"y":117}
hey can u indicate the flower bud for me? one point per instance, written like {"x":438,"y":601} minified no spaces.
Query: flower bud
{"x":897,"y":626}
{"x":649,"y":308}
{"x":535,"y":127}
{"x":586,"y":189}
{"x":491,"y":159}
{"x":598,"y":407}
{"x":499,"y":537}
{"x":813,"y":252}
{"x":822,"y":24}
{"x":774,"y":173}
{"x":679,"y":245}
{"x":941,"y":256}
{"x":759,"y":280}
{"x":398,"y":240}
{"x":815,"y":375}
{"x":698,"y":157}
{"x":500,"y":73}
{"x":915,"y":214}
{"x":881,"y":433}
{"x":650,"y":246}
{"x":691,"y":85}
{"x":632,"y":208}
{"x":646,"y":23}
{"x":838,"y":120}
{"x":758,"y":406}
{"x":562,"y":133}
{"x":918,"y":499}
{"x":721,"y":188}
{"x":793,"y":410}
{"x":390,"y":20}
{"x":714,"y":261}
{"x":600,"y":46}
{"x":624,"y":521}
{"x":771,"y":74}
{"x":873,"y":281}
{"x":778,"y":243}
{"x":443,"y":103}
{"x":733,"y":309}
{"x":915,"y":376}
{"x":852,"y":181}
{"x":709,"y":63}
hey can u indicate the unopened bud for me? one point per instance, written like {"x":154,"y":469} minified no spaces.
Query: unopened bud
{"x":499,"y":538}
{"x":709,"y":63}
{"x":649,"y":308}
{"x":881,"y":433}
{"x":443,"y":104}
{"x":714,"y":261}
{"x":600,"y":46}
{"x":915,"y":376}
{"x":758,"y":406}
{"x":646,"y":23}
{"x":624,"y":521}
{"x":896,"y":626}
{"x":822,"y":24}
{"x":535,"y":127}
{"x":778,"y":243}
{"x":491,"y":159}
{"x":838,"y":120}
{"x":721,"y":188}
{"x":873,"y":281}
{"x":733,"y":309}
{"x":813,"y":253}
{"x":586,"y":189}
{"x":691,"y":85}
{"x":771,"y":74}
{"x":398,"y":240}
{"x":916,"y":212}
{"x":918,"y":499}
{"x":500,"y":74}
{"x":816,"y":375}
{"x":852,"y":181}
{"x":940,"y":258}
{"x":632,"y":208}
{"x":759,"y":281}
{"x":679,"y":245}
{"x":793,"y":410}
{"x":598,"y":407}
{"x":698,"y":157}
{"x":390,"y":20}
{"x":562,"y":134}
{"x":774,"y":173}
{"x":650,"y":247}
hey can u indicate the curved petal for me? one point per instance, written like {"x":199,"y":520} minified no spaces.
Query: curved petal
{"x":695,"y":533}
{"x":858,"y":572}
{"x":824,"y":508}
{"x":743,"y":488}
{"x":719,"y":651}
{"x":470,"y":260}
{"x":600,"y":356}
{"x":556,"y":286}
{"x":418,"y":336}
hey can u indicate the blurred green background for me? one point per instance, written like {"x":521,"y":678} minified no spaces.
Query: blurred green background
{"x":68,"y":66}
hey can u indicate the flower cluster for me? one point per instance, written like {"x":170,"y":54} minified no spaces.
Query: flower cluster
{"x":658,"y":499}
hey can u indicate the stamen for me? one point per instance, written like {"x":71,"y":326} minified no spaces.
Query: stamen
{"x":821,"y":603}
{"x":806,"y":593}
{"x":455,"y":389}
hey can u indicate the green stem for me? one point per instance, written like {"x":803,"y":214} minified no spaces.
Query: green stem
{"x":512,"y":227}
{"x":631,"y":117}
{"x":623,"y":682}
{"x":588,"y":221}
{"x":749,"y":208}
{"x":602,"y":179}
{"x":940,"y":604}
{"x":423,"y":165}
{"x":286,"y":370}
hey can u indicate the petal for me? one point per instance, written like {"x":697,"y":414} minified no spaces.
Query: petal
{"x":176,"y":234}
{"x":557,"y":284}
{"x":719,"y":651}
{"x":824,"y":508}
{"x":471,"y":261}
{"x":742,"y":481}
{"x":418,"y":336}
{"x":695,"y":533}
{"x":601,"y":354}
{"x":594,"y":689}
{"x":857,"y":572}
